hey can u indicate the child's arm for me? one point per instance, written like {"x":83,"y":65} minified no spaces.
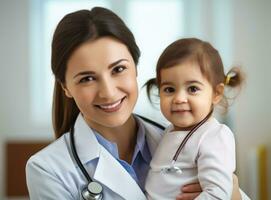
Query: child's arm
{"x":216,"y":164}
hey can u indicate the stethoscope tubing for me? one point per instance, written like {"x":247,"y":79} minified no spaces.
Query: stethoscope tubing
{"x":181,"y":146}
{"x":76,"y":157}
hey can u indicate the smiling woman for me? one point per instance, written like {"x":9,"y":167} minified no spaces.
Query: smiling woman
{"x":94,"y":58}
{"x":101,"y":78}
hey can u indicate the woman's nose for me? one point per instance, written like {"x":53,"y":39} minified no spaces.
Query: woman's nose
{"x":179,"y":98}
{"x":107,"y":89}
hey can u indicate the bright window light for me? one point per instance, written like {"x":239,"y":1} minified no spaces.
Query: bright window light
{"x":45,"y":17}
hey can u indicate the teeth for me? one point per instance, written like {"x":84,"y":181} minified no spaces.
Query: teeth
{"x":111,"y":106}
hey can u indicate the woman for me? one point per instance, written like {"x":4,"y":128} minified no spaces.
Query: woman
{"x":94,"y":58}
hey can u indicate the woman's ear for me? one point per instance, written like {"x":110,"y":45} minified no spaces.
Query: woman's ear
{"x":218,"y":93}
{"x":67,"y":92}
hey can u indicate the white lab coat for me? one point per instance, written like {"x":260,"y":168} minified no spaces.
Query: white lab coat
{"x":53,"y":174}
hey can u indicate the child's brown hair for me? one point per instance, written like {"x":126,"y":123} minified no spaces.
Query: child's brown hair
{"x":205,"y":55}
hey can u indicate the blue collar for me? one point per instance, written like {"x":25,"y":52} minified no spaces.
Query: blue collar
{"x":140,"y":147}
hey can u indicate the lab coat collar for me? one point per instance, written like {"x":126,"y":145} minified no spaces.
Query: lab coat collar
{"x":86,"y":143}
{"x":108,"y":171}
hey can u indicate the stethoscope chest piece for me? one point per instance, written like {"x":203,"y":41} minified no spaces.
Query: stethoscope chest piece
{"x":171,"y":169}
{"x":93,"y":191}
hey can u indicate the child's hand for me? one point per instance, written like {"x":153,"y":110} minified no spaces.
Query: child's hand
{"x":189,"y":192}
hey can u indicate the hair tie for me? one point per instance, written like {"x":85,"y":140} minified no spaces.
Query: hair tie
{"x":228,"y":78}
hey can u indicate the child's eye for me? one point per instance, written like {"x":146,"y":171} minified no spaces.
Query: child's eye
{"x":193,"y":89}
{"x":169,"y":89}
{"x":86,"y":79}
{"x":119,"y":69}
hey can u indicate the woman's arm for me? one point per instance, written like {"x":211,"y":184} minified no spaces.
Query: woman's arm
{"x":236,"y":195}
{"x":191,"y":191}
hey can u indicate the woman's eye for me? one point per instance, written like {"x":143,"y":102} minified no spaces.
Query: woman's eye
{"x":193,"y":89}
{"x":119,"y":69}
{"x":86,"y":79}
{"x":168,"y":89}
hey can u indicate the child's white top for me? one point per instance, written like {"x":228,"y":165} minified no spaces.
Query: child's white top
{"x":207,"y":157}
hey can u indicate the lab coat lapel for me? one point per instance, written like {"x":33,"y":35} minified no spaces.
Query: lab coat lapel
{"x":110,"y":173}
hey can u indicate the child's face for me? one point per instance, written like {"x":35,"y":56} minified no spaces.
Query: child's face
{"x":186,"y":95}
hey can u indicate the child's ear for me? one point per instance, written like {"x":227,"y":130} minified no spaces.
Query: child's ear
{"x":67,"y":92}
{"x":218,"y":93}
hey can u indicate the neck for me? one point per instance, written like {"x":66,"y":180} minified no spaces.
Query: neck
{"x":124,"y":136}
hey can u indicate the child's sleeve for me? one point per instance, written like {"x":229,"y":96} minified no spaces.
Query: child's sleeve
{"x":216,"y":164}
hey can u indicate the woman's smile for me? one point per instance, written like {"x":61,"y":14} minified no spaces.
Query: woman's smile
{"x":111,"y":107}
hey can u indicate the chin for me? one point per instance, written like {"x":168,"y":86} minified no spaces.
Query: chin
{"x":115,"y":122}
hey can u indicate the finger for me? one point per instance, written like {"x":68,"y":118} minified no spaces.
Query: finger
{"x":195,"y":187}
{"x":187,"y":196}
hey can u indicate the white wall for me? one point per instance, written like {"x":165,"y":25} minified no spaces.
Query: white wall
{"x":251,"y":46}
{"x":252,"y":49}
{"x":15,"y":120}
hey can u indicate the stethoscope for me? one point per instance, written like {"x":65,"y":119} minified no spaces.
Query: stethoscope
{"x":94,"y":190}
{"x":172,"y":168}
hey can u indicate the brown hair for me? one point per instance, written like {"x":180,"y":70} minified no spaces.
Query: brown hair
{"x":71,"y":32}
{"x":205,"y":55}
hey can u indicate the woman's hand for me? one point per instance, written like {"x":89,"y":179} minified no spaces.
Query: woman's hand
{"x":190,"y":192}
{"x":193,"y":190}
{"x":236,"y":195}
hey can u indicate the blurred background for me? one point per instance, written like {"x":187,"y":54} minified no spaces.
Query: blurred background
{"x":239,"y":29}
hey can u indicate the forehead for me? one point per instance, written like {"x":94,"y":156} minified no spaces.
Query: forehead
{"x":183,"y":71}
{"x":100,"y":52}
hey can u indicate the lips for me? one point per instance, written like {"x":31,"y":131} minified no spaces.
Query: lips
{"x":180,"y":110}
{"x":111,"y":107}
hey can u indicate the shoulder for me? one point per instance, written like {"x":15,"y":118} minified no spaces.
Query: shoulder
{"x":152,"y":129}
{"x":214,"y":129}
{"x":217,"y":136}
{"x":55,"y":155}
{"x":152,"y":132}
{"x":49,"y":172}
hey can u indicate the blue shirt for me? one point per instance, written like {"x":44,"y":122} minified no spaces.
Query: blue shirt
{"x":139,"y":166}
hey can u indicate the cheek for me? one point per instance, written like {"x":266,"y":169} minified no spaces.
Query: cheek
{"x":129,"y":84}
{"x":83,"y":97}
{"x":165,"y":106}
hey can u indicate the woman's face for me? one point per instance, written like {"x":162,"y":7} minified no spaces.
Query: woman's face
{"x":101,"y":78}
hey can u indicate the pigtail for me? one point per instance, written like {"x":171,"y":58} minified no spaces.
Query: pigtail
{"x":150,"y":85}
{"x":234,"y":78}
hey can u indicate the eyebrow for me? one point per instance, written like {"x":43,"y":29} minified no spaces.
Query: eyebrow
{"x":187,"y":82}
{"x":92,"y":72}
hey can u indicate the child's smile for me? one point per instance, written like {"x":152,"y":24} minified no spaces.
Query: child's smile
{"x":186,"y":95}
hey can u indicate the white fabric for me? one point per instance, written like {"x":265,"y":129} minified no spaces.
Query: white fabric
{"x":52,"y":173}
{"x":207,"y":157}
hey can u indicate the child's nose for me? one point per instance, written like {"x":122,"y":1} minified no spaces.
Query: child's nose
{"x":180,"y":97}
